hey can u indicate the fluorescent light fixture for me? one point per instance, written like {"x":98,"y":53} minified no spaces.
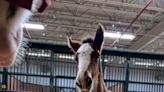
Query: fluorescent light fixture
{"x":38,"y":54}
{"x":33,"y":26}
{"x":148,"y":64}
{"x":117,"y":35}
{"x":66,"y":57}
{"x":161,"y":65}
{"x":106,"y":60}
{"x":144,"y":63}
{"x":128,"y":36}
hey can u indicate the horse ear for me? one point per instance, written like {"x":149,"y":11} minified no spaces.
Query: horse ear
{"x":99,"y":37}
{"x":73,"y":45}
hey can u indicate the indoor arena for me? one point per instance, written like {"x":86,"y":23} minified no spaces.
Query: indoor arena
{"x":82,"y":46}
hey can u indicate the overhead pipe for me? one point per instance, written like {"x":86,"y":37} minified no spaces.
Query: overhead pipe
{"x":137,"y":16}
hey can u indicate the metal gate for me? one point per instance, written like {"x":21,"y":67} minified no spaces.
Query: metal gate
{"x":50,"y":68}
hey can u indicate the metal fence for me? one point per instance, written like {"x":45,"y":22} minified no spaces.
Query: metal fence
{"x":50,"y":68}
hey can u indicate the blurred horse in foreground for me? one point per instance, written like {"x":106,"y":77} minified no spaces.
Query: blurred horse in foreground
{"x":13,"y":13}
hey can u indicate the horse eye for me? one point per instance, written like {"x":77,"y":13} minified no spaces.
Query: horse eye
{"x":76,"y":57}
{"x":78,"y":84}
{"x":95,"y":54}
{"x":88,"y":81}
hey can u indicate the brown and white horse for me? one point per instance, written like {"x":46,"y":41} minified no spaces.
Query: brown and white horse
{"x":88,"y":54}
{"x":12,"y":14}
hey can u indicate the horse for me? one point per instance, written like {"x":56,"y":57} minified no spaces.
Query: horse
{"x":87,"y":55}
{"x":13,"y":13}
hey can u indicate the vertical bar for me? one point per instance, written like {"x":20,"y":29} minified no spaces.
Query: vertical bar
{"x":27,"y":71}
{"x":51,"y":72}
{"x":103,"y":64}
{"x":55,"y":84}
{"x":4,"y":79}
{"x":126,"y":86}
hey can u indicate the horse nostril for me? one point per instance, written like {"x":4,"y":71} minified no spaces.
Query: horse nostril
{"x":88,"y":81}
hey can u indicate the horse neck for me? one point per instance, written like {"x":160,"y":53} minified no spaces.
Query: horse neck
{"x":101,"y":84}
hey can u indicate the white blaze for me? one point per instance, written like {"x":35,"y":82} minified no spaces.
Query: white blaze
{"x":84,"y":57}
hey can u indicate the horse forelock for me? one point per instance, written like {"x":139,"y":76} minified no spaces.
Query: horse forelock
{"x":88,"y":40}
{"x":91,"y":42}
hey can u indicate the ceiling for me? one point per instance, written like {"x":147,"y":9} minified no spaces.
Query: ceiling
{"x":78,"y":19}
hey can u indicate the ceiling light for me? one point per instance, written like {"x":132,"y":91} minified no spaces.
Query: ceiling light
{"x":128,"y":36}
{"x":66,"y":57}
{"x":117,"y":35}
{"x":44,"y":34}
{"x":106,"y":60}
{"x":161,"y":65}
{"x":144,"y":63}
{"x":33,"y":26}
{"x":39,"y":54}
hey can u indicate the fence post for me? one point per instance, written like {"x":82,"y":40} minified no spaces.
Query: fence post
{"x":4,"y":79}
{"x":52,"y":72}
{"x":126,"y":85}
{"x":103,"y":64}
{"x":55,"y":84}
